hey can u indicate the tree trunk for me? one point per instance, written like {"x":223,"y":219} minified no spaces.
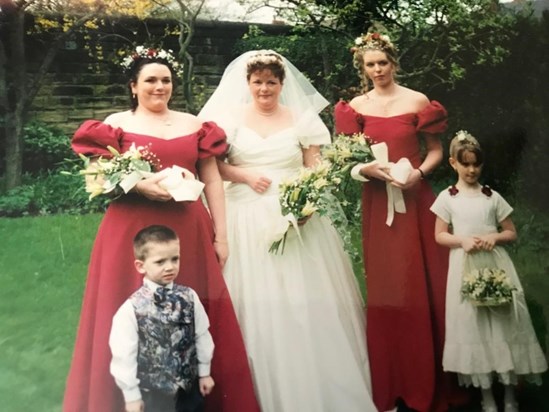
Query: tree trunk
{"x":15,"y":72}
{"x":21,"y":89}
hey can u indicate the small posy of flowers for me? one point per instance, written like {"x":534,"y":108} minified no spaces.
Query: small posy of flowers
{"x":142,"y":52}
{"x":119,"y":173}
{"x":301,"y":196}
{"x":345,"y":152}
{"x":487,"y":287}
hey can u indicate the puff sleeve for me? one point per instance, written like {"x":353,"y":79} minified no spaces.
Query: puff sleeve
{"x":93,"y":137}
{"x":347,"y":121}
{"x":311,"y":130}
{"x":211,"y":141}
{"x":503,"y":209}
{"x":432,"y":119}
{"x":441,"y":207}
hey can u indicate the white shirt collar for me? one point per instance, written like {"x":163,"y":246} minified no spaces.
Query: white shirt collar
{"x":153,"y":286}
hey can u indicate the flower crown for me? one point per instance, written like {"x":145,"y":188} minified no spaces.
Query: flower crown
{"x":142,"y":52}
{"x":373,"y":41}
{"x":265,"y":57}
{"x":464,"y":137}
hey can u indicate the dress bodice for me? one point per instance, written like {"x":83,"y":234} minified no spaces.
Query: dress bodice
{"x":93,"y":137}
{"x":472,"y":214}
{"x":400,"y":132}
{"x":275,"y":156}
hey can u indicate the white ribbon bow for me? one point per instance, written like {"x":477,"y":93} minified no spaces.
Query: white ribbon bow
{"x":278,"y":228}
{"x":178,"y":182}
{"x":399,"y":171}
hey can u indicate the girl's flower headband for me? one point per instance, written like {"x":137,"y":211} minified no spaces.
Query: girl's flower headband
{"x":142,"y":52}
{"x":464,"y":137}
{"x":373,"y":41}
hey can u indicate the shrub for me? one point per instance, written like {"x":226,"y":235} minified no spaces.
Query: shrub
{"x":17,"y":202}
{"x":49,"y":193}
{"x":59,"y":193}
{"x":44,"y":147}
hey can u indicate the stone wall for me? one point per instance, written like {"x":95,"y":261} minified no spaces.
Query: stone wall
{"x":80,"y":87}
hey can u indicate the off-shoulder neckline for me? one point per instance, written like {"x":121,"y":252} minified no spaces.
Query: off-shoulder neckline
{"x":202,"y":127}
{"x":386,"y":117}
{"x":160,"y":138}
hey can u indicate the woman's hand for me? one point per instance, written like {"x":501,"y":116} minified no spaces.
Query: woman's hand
{"x":258,"y":183}
{"x":222,"y":251}
{"x":150,"y":189}
{"x":376,"y":171}
{"x":413,"y":179}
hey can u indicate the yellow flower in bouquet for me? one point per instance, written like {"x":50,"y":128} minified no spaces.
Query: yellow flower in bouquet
{"x":118,"y":174}
{"x":300,"y":197}
{"x":345,"y":152}
{"x":487,"y":287}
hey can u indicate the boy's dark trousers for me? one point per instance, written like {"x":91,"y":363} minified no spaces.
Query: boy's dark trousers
{"x":156,"y":401}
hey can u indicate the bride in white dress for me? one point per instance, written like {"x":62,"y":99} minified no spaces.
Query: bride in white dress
{"x":301,"y":312}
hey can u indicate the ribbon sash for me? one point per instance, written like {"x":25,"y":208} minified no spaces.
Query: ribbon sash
{"x":399,"y":171}
{"x":178,"y":181}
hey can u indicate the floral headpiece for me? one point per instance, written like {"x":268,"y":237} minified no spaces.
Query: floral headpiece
{"x":464,"y":137}
{"x":265,"y":57}
{"x":373,"y":41}
{"x":142,"y":52}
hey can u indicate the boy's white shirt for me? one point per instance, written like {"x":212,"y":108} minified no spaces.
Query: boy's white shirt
{"x":124,"y":340}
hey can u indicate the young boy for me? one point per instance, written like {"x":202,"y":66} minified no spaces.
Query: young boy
{"x":160,"y":343}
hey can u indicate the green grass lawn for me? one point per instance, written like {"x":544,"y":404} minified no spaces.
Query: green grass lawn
{"x":43,"y":267}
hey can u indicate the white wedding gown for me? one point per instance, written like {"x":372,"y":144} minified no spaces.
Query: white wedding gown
{"x":301,"y":312}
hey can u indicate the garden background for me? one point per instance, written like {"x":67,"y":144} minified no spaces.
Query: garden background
{"x":487,"y":64}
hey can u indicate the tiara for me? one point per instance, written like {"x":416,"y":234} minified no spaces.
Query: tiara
{"x":265,"y":57}
{"x":142,"y":52}
{"x":373,"y":41}
{"x":464,"y":137}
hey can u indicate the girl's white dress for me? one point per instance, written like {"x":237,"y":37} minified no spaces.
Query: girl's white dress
{"x":301,"y":312}
{"x":483,"y":341}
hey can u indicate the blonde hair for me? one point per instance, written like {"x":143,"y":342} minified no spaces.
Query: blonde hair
{"x":368,"y":42}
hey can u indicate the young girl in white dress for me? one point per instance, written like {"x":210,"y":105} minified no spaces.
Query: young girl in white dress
{"x":482,"y":343}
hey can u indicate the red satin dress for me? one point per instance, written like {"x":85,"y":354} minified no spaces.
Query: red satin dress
{"x":112,"y":276}
{"x":405,"y":271}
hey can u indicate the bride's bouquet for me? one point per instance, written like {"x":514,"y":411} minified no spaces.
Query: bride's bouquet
{"x":120,"y":173}
{"x":487,"y":287}
{"x":299,"y":199}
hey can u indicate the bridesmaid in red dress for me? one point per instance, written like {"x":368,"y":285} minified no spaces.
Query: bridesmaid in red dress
{"x":177,"y":139}
{"x":405,"y":268}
